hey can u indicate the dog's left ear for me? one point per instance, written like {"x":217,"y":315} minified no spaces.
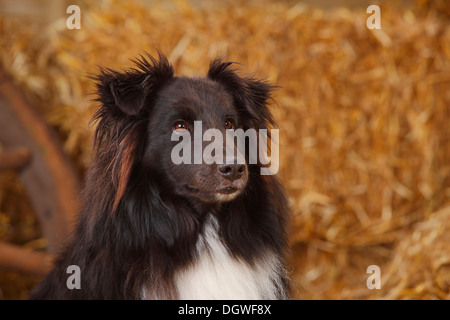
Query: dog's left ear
{"x":128,"y":91}
{"x":250,"y":94}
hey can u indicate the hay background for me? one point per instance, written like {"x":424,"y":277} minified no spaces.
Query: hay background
{"x":363,"y":117}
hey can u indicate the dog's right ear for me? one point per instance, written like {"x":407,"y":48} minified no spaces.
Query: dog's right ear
{"x":129,"y":91}
{"x":125,"y":100}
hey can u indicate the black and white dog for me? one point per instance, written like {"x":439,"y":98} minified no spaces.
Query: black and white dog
{"x":150,"y":228}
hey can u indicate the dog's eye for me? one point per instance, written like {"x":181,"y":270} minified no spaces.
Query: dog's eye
{"x":180,"y":126}
{"x":229,"y":124}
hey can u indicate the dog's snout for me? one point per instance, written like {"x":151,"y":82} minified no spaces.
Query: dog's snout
{"x":232,"y":171}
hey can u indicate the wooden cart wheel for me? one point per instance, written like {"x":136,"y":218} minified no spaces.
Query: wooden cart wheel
{"x":32,"y":147}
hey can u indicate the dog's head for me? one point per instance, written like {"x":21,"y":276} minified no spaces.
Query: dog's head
{"x":177,"y":128}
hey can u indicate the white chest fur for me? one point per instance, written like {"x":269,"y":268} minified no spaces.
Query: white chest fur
{"x":217,"y":275}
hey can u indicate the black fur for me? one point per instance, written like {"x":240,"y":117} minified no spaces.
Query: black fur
{"x":139,"y":221}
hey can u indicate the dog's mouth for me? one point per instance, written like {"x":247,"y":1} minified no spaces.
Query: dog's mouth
{"x":219,"y":195}
{"x":227,"y":190}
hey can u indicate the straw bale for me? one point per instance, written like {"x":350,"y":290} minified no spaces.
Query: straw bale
{"x":420,"y":269}
{"x":363,"y":118}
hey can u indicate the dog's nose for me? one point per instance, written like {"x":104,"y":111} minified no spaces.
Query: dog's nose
{"x":232,"y":171}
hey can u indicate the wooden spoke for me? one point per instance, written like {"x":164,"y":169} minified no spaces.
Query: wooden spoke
{"x":14,"y":159}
